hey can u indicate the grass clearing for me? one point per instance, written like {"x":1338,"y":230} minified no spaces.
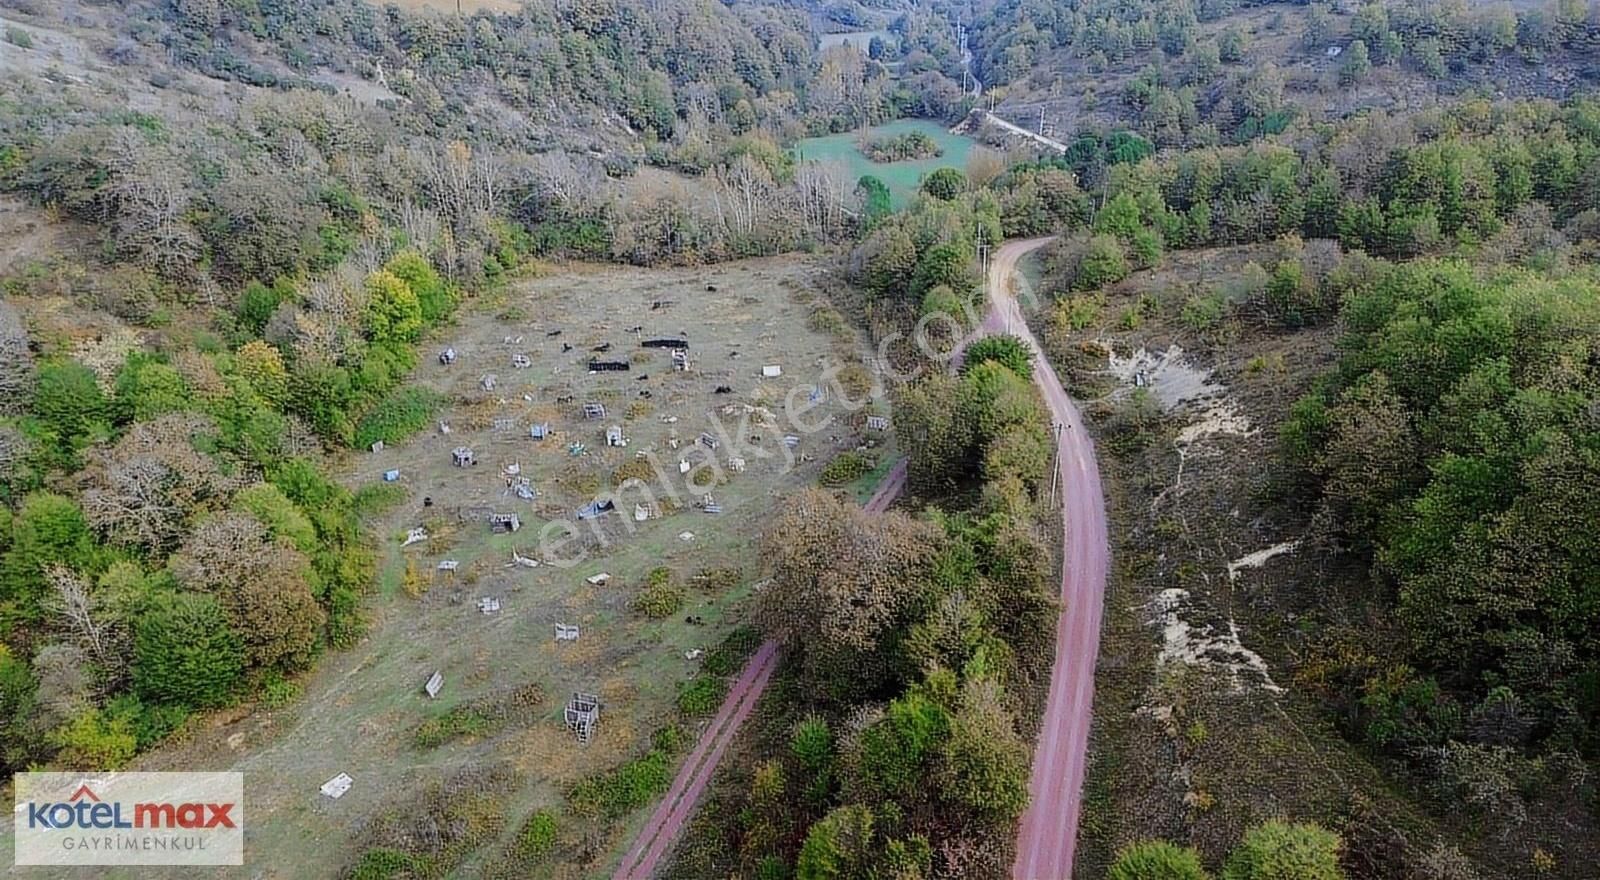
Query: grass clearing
{"x":903,"y":178}
{"x":363,"y":711}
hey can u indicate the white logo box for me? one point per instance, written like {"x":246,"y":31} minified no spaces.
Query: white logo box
{"x":129,"y":819}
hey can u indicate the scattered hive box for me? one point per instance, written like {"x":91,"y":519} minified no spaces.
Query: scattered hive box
{"x":539,"y":431}
{"x":609,"y":366}
{"x":665,"y":343}
{"x":708,"y":441}
{"x":523,"y":489}
{"x":488,"y":381}
{"x":488,"y":605}
{"x":447,"y":357}
{"x":415,"y":535}
{"x":377,"y":446}
{"x":680,"y":359}
{"x":521,"y":361}
{"x":614,"y":436}
{"x":878,"y":423}
{"x":461,"y":456}
{"x":594,"y":410}
{"x":598,"y":580}
{"x":523,"y":561}
{"x":583,"y":713}
{"x":337,"y":786}
{"x":444,"y":426}
{"x":391,"y":476}
{"x":595,"y":509}
{"x":567,"y":632}
{"x":503,"y":523}
{"x":434,"y":685}
{"x":449,"y":564}
{"x":771,"y":371}
{"x":791,"y":440}
{"x":736,"y":464}
{"x":503,"y":424}
{"x":641,"y":512}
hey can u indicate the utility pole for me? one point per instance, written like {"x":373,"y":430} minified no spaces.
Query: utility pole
{"x":1055,"y":468}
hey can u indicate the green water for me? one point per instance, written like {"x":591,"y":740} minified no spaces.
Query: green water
{"x":902,"y":178}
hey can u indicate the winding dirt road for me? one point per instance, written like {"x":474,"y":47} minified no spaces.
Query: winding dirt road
{"x":666,"y":824}
{"x":1049,"y":829}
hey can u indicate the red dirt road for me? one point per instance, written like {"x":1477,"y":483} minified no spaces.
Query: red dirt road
{"x":666,"y":823}
{"x":1048,"y":832}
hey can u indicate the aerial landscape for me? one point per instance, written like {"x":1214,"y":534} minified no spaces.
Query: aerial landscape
{"x":788,"y":440}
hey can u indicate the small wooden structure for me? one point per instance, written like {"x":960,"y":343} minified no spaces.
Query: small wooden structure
{"x":736,"y":464}
{"x":337,"y":786}
{"x":539,"y":431}
{"x":521,"y":361}
{"x":791,"y":440}
{"x":489,"y":605}
{"x":594,"y":410}
{"x":708,"y":441}
{"x":488,"y":381}
{"x":771,"y":371}
{"x":503,"y":424}
{"x":567,"y":632}
{"x":504,"y":523}
{"x":680,"y":359}
{"x":461,"y":456}
{"x":614,"y":436}
{"x":609,"y":366}
{"x":415,"y":535}
{"x":391,"y":476}
{"x":877,"y":423}
{"x":582,"y":714}
{"x":447,"y":357}
{"x":434,"y":685}
{"x":377,"y":446}
{"x":665,"y":343}
{"x":450,"y":565}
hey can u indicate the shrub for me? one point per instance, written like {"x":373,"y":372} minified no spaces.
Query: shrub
{"x":1282,"y":851}
{"x":18,"y":37}
{"x":1157,"y":860}
{"x":944,"y":183}
{"x":1006,"y":350}
{"x":659,"y":600}
{"x":845,"y":468}
{"x":537,"y":836}
{"x":702,"y":695}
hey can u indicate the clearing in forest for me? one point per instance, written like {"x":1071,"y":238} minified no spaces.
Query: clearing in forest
{"x":506,"y":679}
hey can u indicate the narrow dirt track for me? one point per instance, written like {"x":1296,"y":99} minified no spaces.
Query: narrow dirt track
{"x":1048,"y":832}
{"x":665,"y":826}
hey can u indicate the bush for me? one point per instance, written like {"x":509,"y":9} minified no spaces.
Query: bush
{"x":18,"y":37}
{"x":1006,"y":350}
{"x":537,"y":836}
{"x":1102,"y":263}
{"x":702,"y":695}
{"x":944,"y":183}
{"x":845,"y":467}
{"x":1283,"y":851}
{"x":1157,"y":860}
{"x":659,"y":600}
{"x":397,"y":416}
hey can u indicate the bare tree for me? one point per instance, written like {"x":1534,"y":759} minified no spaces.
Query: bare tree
{"x":152,"y":195}
{"x":142,"y":491}
{"x":16,"y":362}
{"x":74,"y":602}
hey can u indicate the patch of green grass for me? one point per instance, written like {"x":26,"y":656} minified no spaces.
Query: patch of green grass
{"x":629,"y":786}
{"x":660,"y":597}
{"x":398,"y":415}
{"x":458,"y":723}
{"x":736,"y":647}
{"x":377,"y":499}
{"x":536,"y":837}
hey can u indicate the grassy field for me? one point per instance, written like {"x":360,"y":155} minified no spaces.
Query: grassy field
{"x":361,"y":709}
{"x":902,"y":178}
{"x":858,"y":39}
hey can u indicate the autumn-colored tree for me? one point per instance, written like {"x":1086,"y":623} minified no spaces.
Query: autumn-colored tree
{"x":262,"y":366}
{"x":260,"y":583}
{"x":394,"y":314}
